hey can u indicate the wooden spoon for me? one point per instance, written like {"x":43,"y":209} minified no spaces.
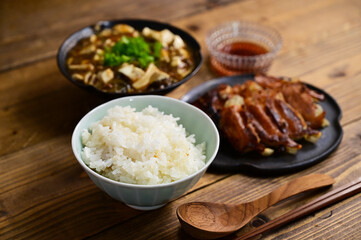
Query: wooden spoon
{"x":207,"y":220}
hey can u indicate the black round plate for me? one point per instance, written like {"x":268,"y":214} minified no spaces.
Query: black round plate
{"x":138,"y":24}
{"x":279,"y":163}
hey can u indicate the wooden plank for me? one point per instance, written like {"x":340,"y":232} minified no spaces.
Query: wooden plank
{"x":55,"y":194}
{"x":46,"y":117}
{"x":29,"y":82}
{"x":22,"y":41}
{"x":340,"y":221}
{"x":22,"y":44}
{"x":333,"y":73}
{"x":344,"y":165}
{"x":319,"y":54}
{"x":294,"y":20}
{"x":348,"y":99}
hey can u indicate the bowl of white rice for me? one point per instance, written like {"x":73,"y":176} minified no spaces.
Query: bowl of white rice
{"x":145,"y":150}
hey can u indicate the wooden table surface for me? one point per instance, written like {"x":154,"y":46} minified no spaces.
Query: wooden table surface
{"x":44,"y":193}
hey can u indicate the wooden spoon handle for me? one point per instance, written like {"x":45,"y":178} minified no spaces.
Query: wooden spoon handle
{"x":292,"y":188}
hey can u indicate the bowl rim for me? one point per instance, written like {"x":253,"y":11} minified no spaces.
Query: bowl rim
{"x":214,"y":50}
{"x":197,"y":52}
{"x":77,"y":155}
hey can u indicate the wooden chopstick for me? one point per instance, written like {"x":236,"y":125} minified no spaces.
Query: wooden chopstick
{"x":327,"y":199}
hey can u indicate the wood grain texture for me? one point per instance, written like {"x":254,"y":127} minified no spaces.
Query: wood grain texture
{"x":57,"y":190}
{"x":44,"y":194}
{"x":31,"y":31}
{"x":336,"y":222}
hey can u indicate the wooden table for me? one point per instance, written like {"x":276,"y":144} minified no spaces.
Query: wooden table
{"x":44,"y":193}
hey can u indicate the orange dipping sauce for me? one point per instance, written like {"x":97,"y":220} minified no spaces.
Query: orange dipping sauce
{"x":241,"y":49}
{"x":244,"y":49}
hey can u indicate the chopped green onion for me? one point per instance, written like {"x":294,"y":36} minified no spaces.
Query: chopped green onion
{"x":134,"y":50}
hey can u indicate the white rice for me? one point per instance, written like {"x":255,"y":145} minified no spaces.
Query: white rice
{"x":146,"y":147}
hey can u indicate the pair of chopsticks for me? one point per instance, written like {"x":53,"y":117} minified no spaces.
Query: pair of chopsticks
{"x":329,"y":198}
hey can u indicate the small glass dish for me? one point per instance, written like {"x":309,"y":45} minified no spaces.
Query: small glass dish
{"x":242,"y":47}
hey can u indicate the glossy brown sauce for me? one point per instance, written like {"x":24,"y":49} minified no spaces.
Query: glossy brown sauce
{"x":244,"y":49}
{"x":121,"y":83}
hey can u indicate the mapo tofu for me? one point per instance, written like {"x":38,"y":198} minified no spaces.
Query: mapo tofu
{"x":122,"y":59}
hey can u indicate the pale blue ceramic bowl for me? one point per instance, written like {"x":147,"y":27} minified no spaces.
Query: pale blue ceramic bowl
{"x":148,"y":197}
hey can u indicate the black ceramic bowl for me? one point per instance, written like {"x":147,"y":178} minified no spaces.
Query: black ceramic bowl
{"x":138,"y":24}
